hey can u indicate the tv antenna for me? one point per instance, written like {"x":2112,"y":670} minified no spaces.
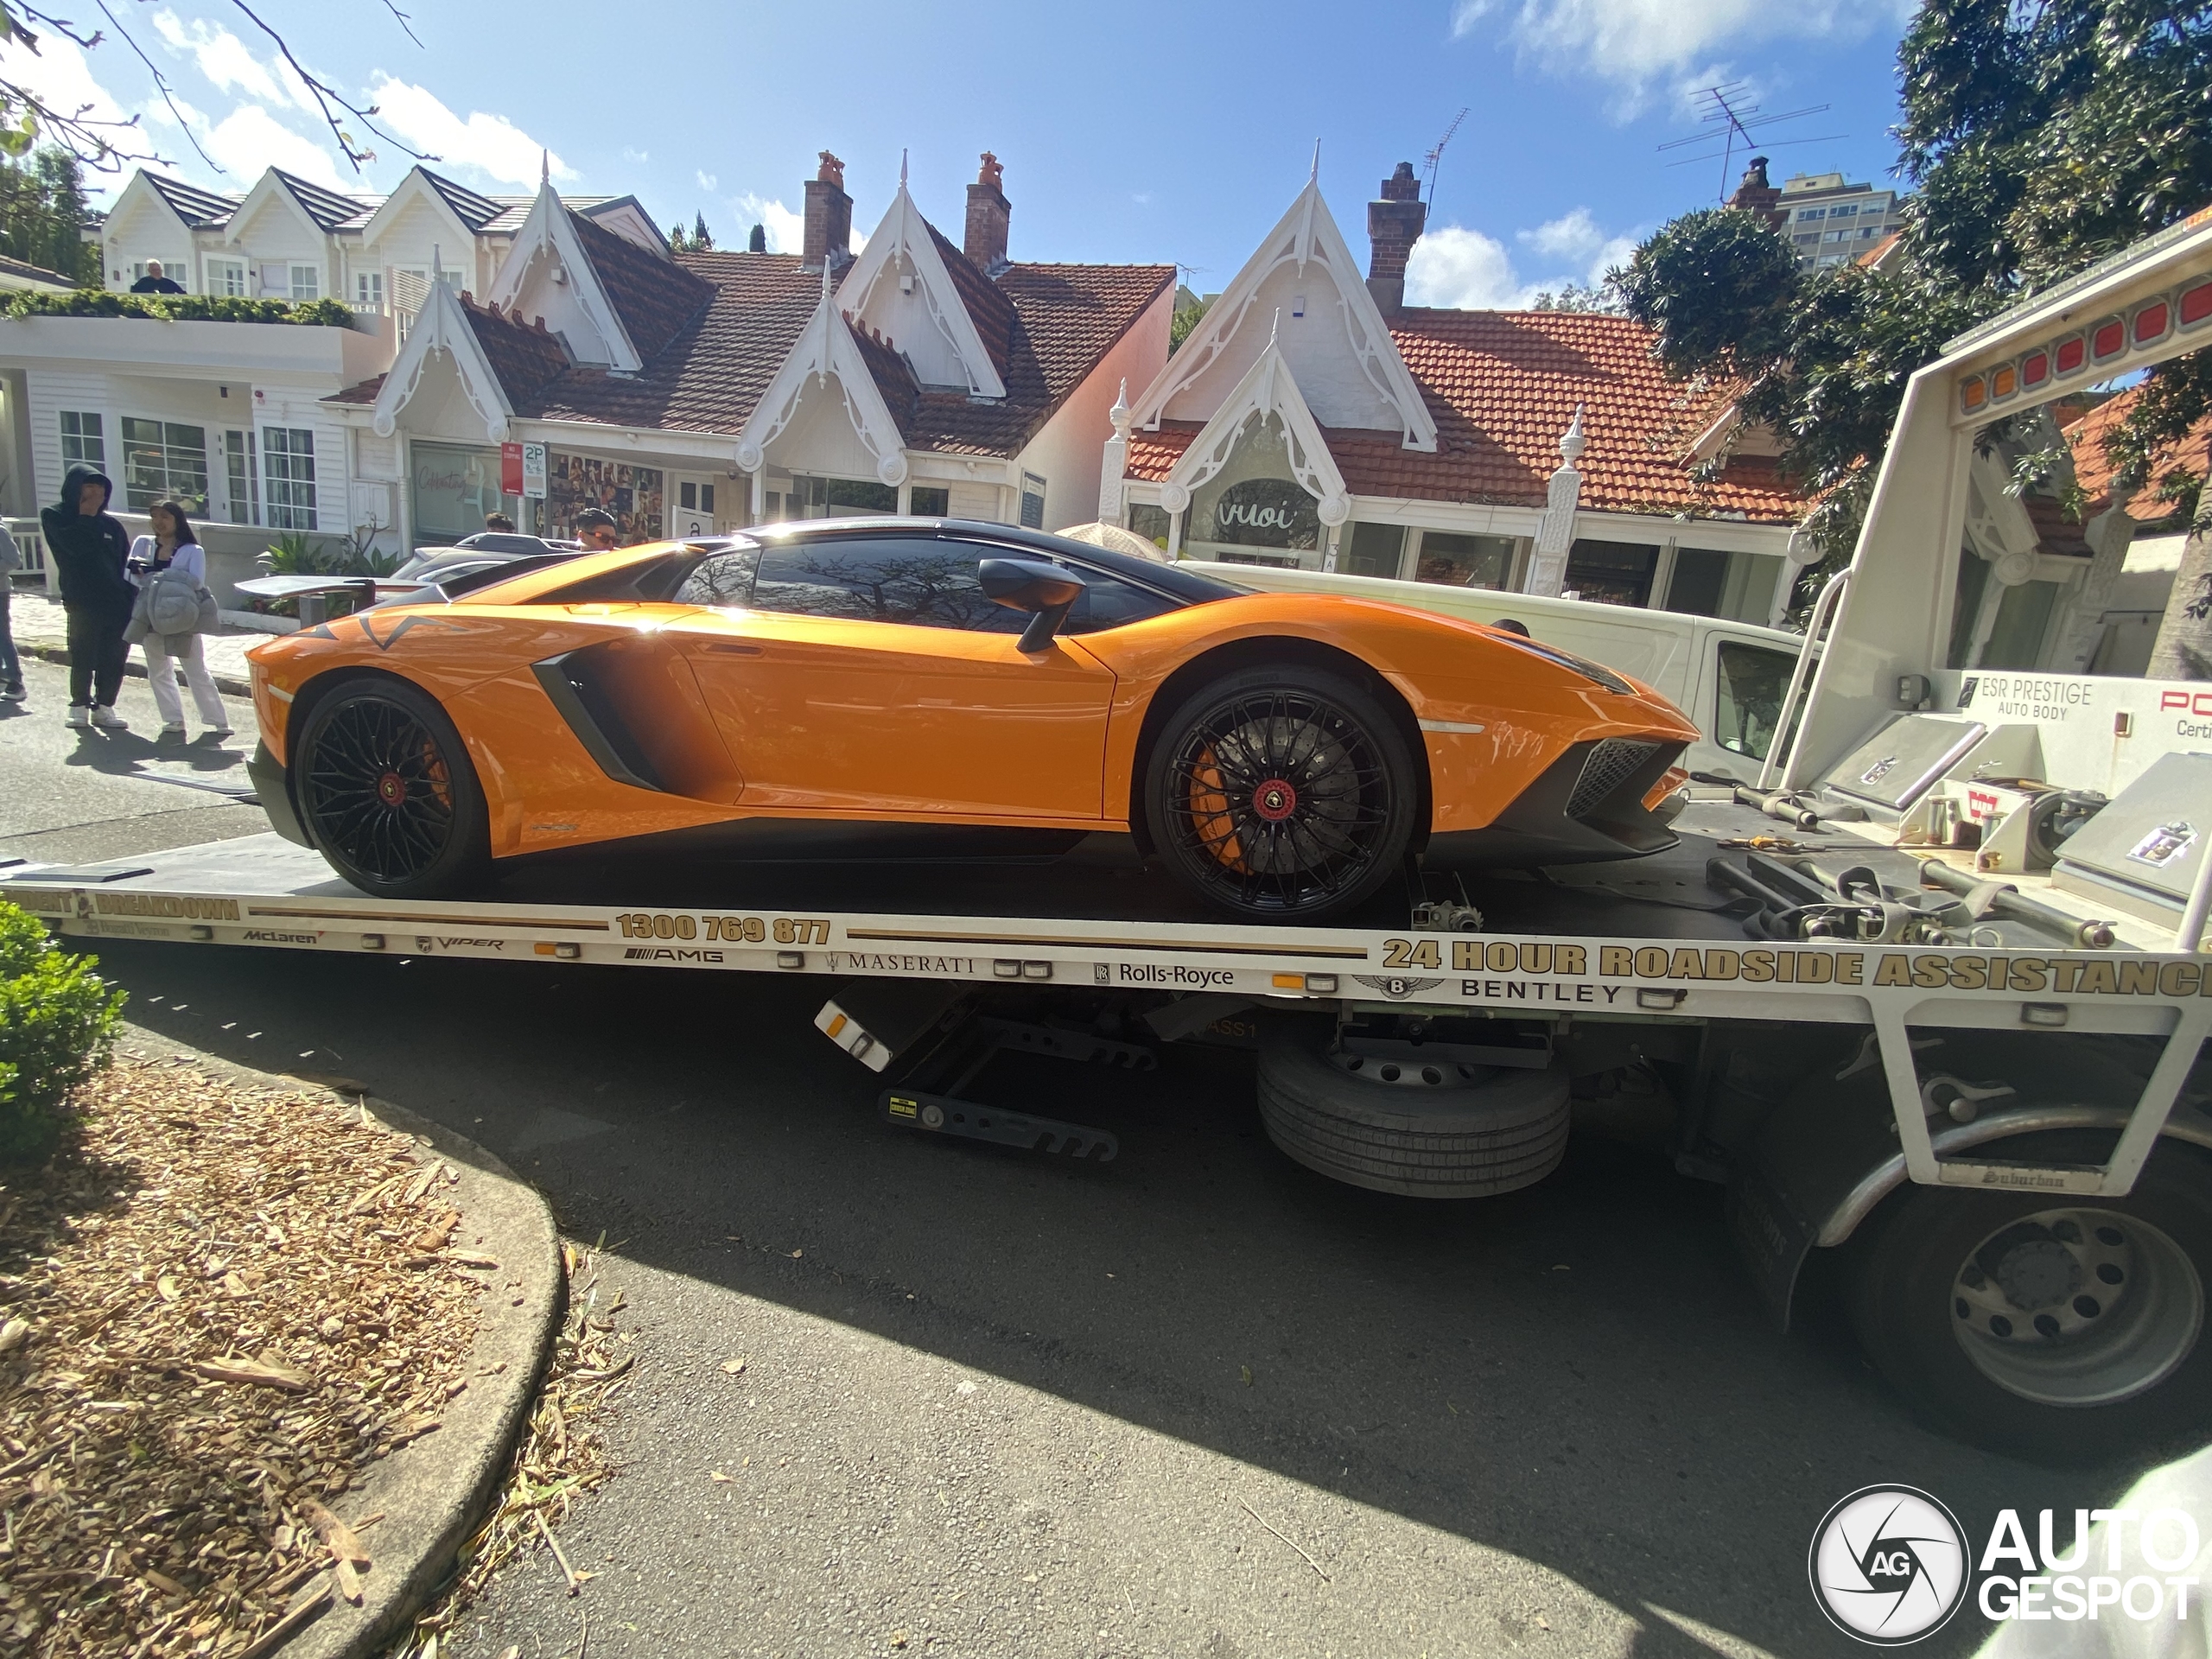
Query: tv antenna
{"x":1434,"y":157}
{"x":1730,"y":117}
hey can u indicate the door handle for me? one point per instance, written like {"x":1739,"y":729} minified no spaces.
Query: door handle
{"x":724,"y":648}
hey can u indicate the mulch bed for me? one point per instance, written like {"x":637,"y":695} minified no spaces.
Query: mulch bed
{"x":219,"y":1307}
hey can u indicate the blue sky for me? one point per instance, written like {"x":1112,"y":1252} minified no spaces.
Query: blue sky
{"x":1127,"y":133}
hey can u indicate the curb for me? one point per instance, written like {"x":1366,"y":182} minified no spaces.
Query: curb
{"x":229,"y":685}
{"x":433,"y":1491}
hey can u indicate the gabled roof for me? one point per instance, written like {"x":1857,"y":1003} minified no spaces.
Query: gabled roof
{"x":21,"y":273}
{"x":943,"y":313}
{"x":1502,"y":387}
{"x":475,"y":211}
{"x":987,"y":305}
{"x":656,"y":298}
{"x":1268,"y":390}
{"x":326,"y":208}
{"x":201,"y":209}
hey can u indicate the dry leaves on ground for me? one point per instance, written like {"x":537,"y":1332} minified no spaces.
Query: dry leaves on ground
{"x":228,"y":1316}
{"x":562,"y":1455}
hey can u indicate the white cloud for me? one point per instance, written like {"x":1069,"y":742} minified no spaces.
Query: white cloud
{"x":227,"y":62}
{"x":490,"y":145}
{"x":1453,"y":265}
{"x":58,"y":73}
{"x":629,"y":154}
{"x":706,"y":179}
{"x":1575,"y":240}
{"x":786,"y":230}
{"x":250,"y":140}
{"x":1637,"y":43}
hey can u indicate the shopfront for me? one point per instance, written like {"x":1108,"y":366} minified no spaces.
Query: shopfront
{"x":634,"y":494}
{"x":451,"y":490}
{"x":1253,"y":510}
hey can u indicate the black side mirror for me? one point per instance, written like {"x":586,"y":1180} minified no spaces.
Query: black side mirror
{"x":1047,"y":591}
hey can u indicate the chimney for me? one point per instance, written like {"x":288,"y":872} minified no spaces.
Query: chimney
{"x":988,"y":213}
{"x":829,"y":218}
{"x":1394,"y":225}
{"x":1756,"y":195}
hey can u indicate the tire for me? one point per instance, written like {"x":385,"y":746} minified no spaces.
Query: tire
{"x":1282,"y":794}
{"x":1489,"y":1129}
{"x":2059,"y":1328}
{"x":387,"y":794}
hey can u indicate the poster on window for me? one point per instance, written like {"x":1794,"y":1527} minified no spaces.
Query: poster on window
{"x":632,"y":495}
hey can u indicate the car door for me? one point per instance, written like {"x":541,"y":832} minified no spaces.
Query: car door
{"x":870,"y":675}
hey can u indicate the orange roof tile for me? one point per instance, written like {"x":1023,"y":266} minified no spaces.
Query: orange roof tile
{"x":2093,"y":472}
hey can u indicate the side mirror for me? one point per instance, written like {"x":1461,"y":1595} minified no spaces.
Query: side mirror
{"x":1047,"y":591}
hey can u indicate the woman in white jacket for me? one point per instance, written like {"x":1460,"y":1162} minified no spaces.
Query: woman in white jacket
{"x":173,"y":548}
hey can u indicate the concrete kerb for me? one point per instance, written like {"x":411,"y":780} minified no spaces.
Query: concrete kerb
{"x":434,"y":1490}
{"x":229,"y":685}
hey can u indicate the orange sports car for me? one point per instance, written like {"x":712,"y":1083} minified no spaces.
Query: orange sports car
{"x":898,"y":687}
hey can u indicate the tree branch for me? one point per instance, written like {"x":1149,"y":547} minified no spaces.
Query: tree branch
{"x":160,"y":85}
{"x":325,"y":96}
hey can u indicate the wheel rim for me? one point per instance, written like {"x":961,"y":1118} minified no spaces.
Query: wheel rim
{"x":1279,"y":800}
{"x":379,"y":790}
{"x":2077,"y":1307}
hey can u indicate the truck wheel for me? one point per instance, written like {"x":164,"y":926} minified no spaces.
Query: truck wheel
{"x":2059,"y":1328}
{"x":1282,"y":794}
{"x":387,"y":794}
{"x":1443,"y":1129}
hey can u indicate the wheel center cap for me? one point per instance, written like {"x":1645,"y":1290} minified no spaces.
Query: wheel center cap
{"x":1275,"y":800}
{"x":392,"y":789}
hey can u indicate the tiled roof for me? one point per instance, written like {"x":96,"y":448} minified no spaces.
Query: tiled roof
{"x":524,"y":356}
{"x":195,"y":206}
{"x":893,"y":376}
{"x":23,"y":270}
{"x":656,"y":298}
{"x":989,"y":309}
{"x":1503,"y":386}
{"x":2093,"y":473}
{"x":327,"y":208}
{"x":472,"y":210}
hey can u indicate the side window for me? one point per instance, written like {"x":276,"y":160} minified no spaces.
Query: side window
{"x":720,"y":579}
{"x":927,"y":582}
{"x":1110,"y":602}
{"x":1748,"y":696}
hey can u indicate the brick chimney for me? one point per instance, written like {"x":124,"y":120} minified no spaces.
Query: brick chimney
{"x":985,"y":241}
{"x":1755,"y":195}
{"x":829,"y":218}
{"x":1394,"y":225}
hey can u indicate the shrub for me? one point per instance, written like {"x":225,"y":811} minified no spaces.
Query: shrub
{"x":178,"y":308}
{"x":57,"y":1027}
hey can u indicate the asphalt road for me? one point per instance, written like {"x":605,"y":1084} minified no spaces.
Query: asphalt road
{"x":1198,"y":1402}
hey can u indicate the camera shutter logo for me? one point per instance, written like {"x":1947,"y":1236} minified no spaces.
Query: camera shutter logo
{"x":1889,"y":1565}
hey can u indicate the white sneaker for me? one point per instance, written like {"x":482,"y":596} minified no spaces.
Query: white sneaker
{"x":176,"y":730}
{"x":216,"y":732}
{"x":13,"y":693}
{"x":79,"y":714}
{"x":108,"y":721}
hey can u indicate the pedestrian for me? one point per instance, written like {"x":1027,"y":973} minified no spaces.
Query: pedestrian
{"x":155,"y":281}
{"x":171,"y":568}
{"x":499,"y":521}
{"x":89,"y":549}
{"x":11,"y":667}
{"x":596,"y":529}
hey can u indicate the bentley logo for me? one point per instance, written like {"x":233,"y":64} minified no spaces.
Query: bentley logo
{"x":1397,"y":989}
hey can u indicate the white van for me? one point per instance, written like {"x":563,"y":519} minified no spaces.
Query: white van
{"x":1728,"y":677}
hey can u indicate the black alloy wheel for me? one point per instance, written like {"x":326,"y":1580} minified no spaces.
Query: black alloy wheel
{"x":388,"y":795}
{"x":1282,"y":794}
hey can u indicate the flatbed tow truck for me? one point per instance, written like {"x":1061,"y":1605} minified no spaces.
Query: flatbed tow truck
{"x":1905,"y":992}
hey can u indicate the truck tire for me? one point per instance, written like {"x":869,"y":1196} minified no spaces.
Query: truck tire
{"x":1452,"y":1131}
{"x":2061,"y":1329}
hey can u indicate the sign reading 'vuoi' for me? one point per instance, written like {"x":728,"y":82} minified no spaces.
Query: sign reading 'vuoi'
{"x":1266,"y":512}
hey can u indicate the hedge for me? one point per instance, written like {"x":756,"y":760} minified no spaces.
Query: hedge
{"x":57,"y":1027}
{"x":177,"y":308}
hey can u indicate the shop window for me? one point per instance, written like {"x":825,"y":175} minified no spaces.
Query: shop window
{"x":1373,"y":550}
{"x":162,"y":459}
{"x":839,"y":498}
{"x":1032,"y":501}
{"x":287,"y":473}
{"x":82,"y":443}
{"x":1610,"y":573}
{"x":1748,"y":696}
{"x":928,"y":501}
{"x":1150,"y":522}
{"x":452,"y":490}
{"x":634,"y":494}
{"x":1459,"y":560}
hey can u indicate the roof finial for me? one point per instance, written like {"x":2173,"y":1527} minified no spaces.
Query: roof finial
{"x":902,"y":167}
{"x":544,"y":167}
{"x":1274,"y":325}
{"x":1314,"y":177}
{"x":1119,"y":415}
{"x":1573,"y":443}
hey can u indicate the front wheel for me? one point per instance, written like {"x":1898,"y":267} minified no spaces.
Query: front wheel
{"x":1282,"y":794}
{"x":2060,"y":1328}
{"x":387,"y":794}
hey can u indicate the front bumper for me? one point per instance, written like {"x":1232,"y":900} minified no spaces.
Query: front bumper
{"x":272,"y":784}
{"x":1588,"y":806}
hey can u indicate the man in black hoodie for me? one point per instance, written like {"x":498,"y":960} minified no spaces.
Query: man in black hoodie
{"x":89,"y":549}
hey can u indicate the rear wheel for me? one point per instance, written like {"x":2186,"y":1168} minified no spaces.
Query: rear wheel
{"x":1282,"y":794}
{"x":2060,"y":1328}
{"x":387,"y":794}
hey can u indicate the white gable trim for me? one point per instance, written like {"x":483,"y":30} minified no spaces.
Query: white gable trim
{"x":442,"y":325}
{"x":547,"y":236}
{"x":139,"y":190}
{"x":269,"y":185}
{"x":1267,"y":388}
{"x":413,"y":186}
{"x":901,"y":232}
{"x":826,"y":349}
{"x":1307,"y":234}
